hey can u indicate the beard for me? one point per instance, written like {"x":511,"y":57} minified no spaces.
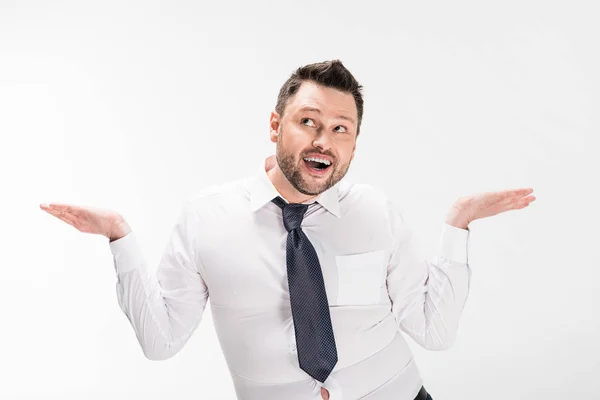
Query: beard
{"x":292,"y":169}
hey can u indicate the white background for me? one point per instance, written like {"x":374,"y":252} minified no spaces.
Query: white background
{"x":133,"y":107}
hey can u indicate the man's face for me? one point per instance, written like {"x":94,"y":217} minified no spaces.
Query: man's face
{"x":317,"y":122}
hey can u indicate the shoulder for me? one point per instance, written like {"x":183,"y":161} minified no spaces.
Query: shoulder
{"x":373,"y":202}
{"x":217,"y":196}
{"x":365,"y":195}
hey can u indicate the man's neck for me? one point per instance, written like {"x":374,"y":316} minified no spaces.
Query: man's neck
{"x":284,"y":187}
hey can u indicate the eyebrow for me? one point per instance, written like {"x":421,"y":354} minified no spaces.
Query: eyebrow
{"x":309,"y":108}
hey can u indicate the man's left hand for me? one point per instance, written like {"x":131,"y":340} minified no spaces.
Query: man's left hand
{"x":467,"y":209}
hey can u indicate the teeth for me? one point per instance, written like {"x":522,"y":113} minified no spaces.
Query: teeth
{"x":321,"y":160}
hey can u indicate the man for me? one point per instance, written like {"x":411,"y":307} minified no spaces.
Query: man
{"x":311,"y":278}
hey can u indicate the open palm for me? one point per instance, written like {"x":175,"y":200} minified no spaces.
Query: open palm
{"x":85,"y":219}
{"x":486,"y":204}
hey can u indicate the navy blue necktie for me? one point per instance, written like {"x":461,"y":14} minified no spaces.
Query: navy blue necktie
{"x":317,"y":354}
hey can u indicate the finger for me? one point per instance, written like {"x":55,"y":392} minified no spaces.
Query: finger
{"x":511,"y":195}
{"x":54,"y":211}
{"x":524,"y":202}
{"x":521,"y":192}
{"x":64,"y":216}
{"x":529,"y":199}
{"x":46,"y":207}
{"x":61,"y":207}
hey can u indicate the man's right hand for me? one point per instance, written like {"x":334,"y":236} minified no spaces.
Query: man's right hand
{"x":90,"y":219}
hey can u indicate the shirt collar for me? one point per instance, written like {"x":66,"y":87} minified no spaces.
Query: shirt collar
{"x":262,"y":191}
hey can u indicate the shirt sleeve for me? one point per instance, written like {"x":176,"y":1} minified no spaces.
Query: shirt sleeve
{"x":428,"y":296}
{"x":165,"y":309}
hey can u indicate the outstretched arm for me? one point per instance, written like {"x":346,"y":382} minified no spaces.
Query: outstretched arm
{"x":164,"y":310}
{"x":428,"y":296}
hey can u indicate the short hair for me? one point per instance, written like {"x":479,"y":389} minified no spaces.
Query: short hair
{"x":331,"y":74}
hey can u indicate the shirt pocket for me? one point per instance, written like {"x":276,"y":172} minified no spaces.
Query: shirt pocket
{"x":361,"y":278}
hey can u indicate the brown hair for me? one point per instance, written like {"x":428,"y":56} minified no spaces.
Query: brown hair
{"x":330,"y":74}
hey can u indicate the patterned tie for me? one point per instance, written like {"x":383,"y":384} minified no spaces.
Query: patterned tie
{"x":317,"y":354}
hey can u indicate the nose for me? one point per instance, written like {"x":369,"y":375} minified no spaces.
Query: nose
{"x":322,"y":141}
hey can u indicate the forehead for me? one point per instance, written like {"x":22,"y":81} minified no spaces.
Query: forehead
{"x":328,"y":100}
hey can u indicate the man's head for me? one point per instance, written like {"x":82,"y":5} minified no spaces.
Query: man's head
{"x":318,"y":113}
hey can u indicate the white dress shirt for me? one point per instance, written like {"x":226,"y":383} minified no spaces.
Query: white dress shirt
{"x":229,"y":243}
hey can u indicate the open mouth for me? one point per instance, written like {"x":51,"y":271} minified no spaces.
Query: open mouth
{"x":317,"y":165}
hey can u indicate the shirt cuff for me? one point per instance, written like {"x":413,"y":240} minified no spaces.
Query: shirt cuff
{"x":126,"y":252}
{"x":454,"y":244}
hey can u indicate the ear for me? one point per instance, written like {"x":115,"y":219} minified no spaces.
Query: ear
{"x":274,"y":126}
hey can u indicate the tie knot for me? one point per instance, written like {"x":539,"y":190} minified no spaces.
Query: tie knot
{"x":293,"y":213}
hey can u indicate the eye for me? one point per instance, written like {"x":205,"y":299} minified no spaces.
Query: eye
{"x":342,"y":127}
{"x":308,"y":119}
